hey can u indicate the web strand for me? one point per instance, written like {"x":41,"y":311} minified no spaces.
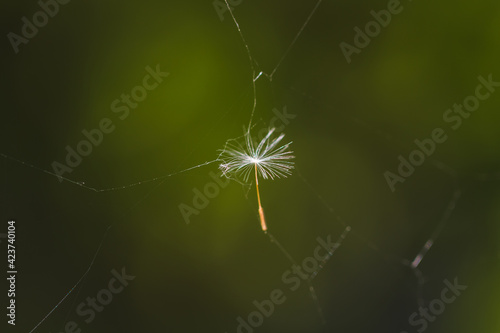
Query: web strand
{"x":97,"y":190}
{"x":77,"y":283}
{"x":312,"y":291}
{"x":250,"y":60}
{"x":289,"y":48}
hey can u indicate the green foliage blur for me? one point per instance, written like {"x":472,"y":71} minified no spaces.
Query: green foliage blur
{"x":349,"y":123}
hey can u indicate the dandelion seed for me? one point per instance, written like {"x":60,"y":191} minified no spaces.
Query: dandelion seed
{"x":267,"y":159}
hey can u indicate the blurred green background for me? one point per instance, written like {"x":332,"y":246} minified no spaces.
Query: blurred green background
{"x":352,"y":122}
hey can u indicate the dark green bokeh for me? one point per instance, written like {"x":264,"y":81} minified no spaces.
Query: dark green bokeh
{"x":352,"y":122}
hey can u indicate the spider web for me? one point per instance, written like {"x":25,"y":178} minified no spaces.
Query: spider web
{"x":378,"y":253}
